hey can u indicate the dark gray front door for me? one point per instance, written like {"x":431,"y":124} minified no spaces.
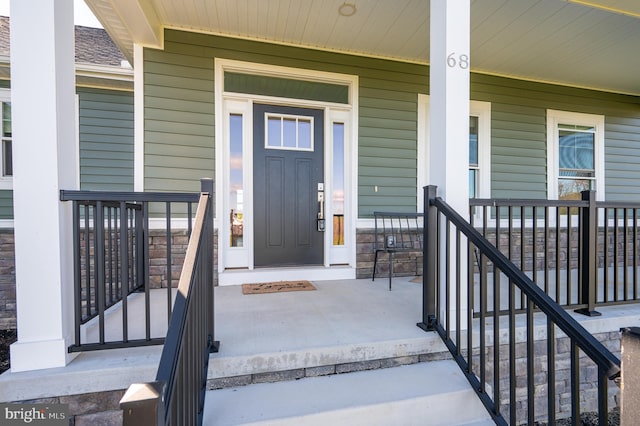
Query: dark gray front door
{"x":288,"y":166}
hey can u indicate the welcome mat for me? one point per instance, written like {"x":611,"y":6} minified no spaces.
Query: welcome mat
{"x":417,"y":280}
{"x":277,"y":287}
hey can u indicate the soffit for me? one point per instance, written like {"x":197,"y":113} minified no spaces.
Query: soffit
{"x":590,"y":43}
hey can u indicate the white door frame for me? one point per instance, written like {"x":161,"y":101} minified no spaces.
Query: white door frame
{"x":235,"y":265}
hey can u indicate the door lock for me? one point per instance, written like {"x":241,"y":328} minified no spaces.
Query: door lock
{"x":321,"y":221}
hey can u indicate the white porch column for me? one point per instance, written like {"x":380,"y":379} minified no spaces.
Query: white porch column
{"x":449,"y":103}
{"x":43,"y":115}
{"x":449,"y":117}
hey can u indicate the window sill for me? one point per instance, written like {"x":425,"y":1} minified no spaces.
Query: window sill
{"x":6,"y":183}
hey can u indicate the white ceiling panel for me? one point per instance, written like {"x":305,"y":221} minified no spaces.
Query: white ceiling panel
{"x":590,"y":43}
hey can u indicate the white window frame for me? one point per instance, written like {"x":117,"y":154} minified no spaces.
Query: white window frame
{"x":282,"y":118}
{"x":482,"y":110}
{"x":479,"y":109}
{"x":555,"y":117}
{"x":6,"y":182}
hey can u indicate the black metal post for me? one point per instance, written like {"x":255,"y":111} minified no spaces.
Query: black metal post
{"x":206,"y":185}
{"x":588,"y":253}
{"x":429,"y":259}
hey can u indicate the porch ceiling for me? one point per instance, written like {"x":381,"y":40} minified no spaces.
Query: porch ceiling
{"x":586,"y":43}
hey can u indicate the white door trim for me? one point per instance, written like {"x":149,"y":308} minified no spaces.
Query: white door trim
{"x":237,"y":265}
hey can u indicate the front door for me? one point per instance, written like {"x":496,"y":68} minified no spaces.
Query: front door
{"x":288,"y":152}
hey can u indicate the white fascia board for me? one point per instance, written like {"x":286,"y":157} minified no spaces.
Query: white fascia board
{"x":105,"y":72}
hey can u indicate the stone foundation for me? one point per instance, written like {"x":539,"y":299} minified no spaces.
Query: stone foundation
{"x":89,"y":409}
{"x":7,"y":280}
{"x":404,"y":263}
{"x":588,"y":377}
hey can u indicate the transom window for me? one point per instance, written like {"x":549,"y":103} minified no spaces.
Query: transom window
{"x":289,"y":132}
{"x":575,"y":144}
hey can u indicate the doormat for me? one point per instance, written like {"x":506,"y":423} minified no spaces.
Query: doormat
{"x":277,"y":287}
{"x":417,"y":280}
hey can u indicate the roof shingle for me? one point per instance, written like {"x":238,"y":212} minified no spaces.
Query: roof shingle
{"x":93,"y":45}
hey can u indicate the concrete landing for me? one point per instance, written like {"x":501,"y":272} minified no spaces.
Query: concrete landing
{"x":340,"y":322}
{"x":433,"y":393}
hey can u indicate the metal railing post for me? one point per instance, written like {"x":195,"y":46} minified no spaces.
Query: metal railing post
{"x":143,"y":404}
{"x":588,"y":255}
{"x":206,"y":185}
{"x":429,"y":260}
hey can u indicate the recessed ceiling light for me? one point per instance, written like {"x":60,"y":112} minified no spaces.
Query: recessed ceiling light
{"x":347,"y":9}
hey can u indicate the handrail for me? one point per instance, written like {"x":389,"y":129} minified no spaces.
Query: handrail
{"x":589,"y":344}
{"x":567,"y":245}
{"x":185,"y":197}
{"x":177,"y":395}
{"x":483,"y":342}
{"x":526,"y":202}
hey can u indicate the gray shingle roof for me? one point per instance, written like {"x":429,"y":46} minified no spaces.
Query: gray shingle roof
{"x":93,"y":45}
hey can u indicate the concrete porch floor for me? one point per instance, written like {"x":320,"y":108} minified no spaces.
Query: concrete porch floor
{"x":340,"y":322}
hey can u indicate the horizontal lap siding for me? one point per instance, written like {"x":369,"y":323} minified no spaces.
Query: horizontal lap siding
{"x":622,"y":157}
{"x":179,"y":120}
{"x":519,"y":134}
{"x":6,"y":204}
{"x":106,"y":140}
{"x":179,"y":113}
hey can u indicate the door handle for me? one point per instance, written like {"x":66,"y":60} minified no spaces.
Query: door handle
{"x":321,"y":221}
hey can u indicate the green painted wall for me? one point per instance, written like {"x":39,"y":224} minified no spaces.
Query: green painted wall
{"x":6,"y":204}
{"x":179,"y":120}
{"x":106,"y":143}
{"x":519,"y":138}
{"x":179,"y":113}
{"x":106,"y":140}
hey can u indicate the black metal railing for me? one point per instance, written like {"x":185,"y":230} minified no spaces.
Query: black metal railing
{"x":128,"y":249}
{"x":177,"y":395}
{"x":582,"y":253}
{"x":537,"y":365}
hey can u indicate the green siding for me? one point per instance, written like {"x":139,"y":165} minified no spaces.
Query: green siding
{"x":519,"y":134}
{"x":6,"y":204}
{"x":106,"y":140}
{"x":179,"y":88}
{"x":179,"y":120}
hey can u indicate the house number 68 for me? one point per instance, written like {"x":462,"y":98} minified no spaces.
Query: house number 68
{"x":461,"y":61}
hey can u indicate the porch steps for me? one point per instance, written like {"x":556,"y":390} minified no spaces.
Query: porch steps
{"x":427,"y":393}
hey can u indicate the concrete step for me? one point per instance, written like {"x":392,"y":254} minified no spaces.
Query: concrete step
{"x":430,"y":393}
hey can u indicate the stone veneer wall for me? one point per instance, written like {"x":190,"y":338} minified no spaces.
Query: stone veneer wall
{"x":588,"y":377}
{"x":7,"y":281}
{"x":89,"y":409}
{"x":404,"y":264}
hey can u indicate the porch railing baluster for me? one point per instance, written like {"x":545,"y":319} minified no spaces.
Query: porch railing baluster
{"x":528,"y":303}
{"x":111,"y":249}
